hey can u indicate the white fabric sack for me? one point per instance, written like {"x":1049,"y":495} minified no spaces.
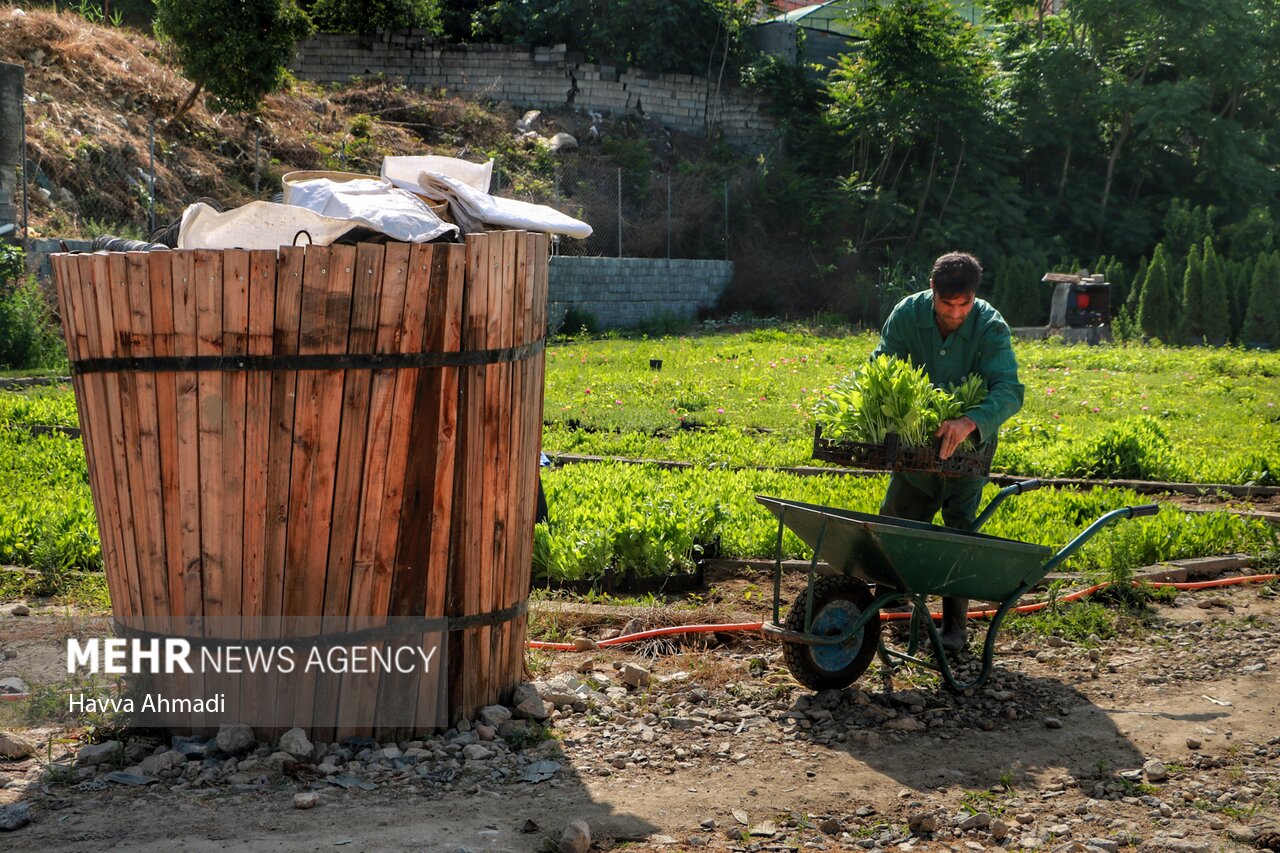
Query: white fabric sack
{"x":373,"y":202}
{"x":469,"y":204}
{"x":256,"y":225}
{"x":404,"y":171}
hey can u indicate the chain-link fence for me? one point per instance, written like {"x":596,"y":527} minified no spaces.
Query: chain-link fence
{"x":105,"y":184}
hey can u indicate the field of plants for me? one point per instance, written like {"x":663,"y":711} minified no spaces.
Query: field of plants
{"x":731,"y":402}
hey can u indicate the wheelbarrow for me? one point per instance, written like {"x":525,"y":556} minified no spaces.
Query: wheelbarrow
{"x":873,"y":561}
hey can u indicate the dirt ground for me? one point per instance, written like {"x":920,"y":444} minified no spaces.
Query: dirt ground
{"x":1052,"y":749}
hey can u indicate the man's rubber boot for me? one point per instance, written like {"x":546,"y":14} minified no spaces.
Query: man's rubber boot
{"x":954,"y":613}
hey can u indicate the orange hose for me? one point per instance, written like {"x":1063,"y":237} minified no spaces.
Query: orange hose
{"x":889,"y":617}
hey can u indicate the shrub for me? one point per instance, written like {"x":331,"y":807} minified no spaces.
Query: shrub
{"x":1156,"y":305}
{"x":1262,"y":319}
{"x":29,"y":336}
{"x":1131,"y":449}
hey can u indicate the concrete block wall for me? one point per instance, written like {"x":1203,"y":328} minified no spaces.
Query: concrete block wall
{"x":541,"y":77}
{"x":627,"y":292}
{"x":11,"y":133}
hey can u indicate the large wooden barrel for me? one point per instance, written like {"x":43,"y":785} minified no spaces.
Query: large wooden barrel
{"x":317,"y":447}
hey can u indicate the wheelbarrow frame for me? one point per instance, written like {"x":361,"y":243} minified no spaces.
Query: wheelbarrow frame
{"x":917,"y":598}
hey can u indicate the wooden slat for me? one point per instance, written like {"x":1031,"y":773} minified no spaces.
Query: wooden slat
{"x":100,"y":286}
{"x":352,"y":439}
{"x":235,"y":341}
{"x":285,"y":336}
{"x":412,"y":531}
{"x":257,"y":418}
{"x":213,"y":420}
{"x":77,"y":310}
{"x":523,"y":461}
{"x":148,"y":484}
{"x":371,"y":570}
{"x":187,"y":417}
{"x":448,"y":283}
{"x":159,"y":290}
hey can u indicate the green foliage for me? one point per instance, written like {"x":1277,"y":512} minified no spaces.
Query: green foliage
{"x":1262,"y":318}
{"x":12,"y":265}
{"x":690,"y":36}
{"x":1190,"y":316}
{"x":890,"y":395}
{"x":1156,"y":306}
{"x":236,"y":49}
{"x":363,"y":16}
{"x":1214,"y":305}
{"x":46,"y":515}
{"x":29,"y":335}
{"x":1133,"y":449}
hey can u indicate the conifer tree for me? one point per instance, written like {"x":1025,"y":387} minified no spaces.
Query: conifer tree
{"x":1190,"y":320}
{"x":1215,"y":312}
{"x":1262,"y":320}
{"x":1156,"y":305}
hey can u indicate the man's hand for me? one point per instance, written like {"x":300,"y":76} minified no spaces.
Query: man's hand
{"x":952,"y":433}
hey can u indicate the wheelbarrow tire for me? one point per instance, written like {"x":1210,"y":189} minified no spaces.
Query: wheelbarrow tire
{"x":837,"y":602}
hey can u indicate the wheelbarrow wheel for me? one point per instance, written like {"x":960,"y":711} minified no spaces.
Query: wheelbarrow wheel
{"x":837,"y":602}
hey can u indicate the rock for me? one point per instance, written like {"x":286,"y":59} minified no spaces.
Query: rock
{"x":1052,"y":723}
{"x":495,"y":715}
{"x":534,"y":709}
{"x":14,"y":816}
{"x":981,"y":820}
{"x":476,"y":752}
{"x":95,"y":754}
{"x":905,"y":724}
{"x":1059,"y":829}
{"x":121,"y":777}
{"x":584,"y":644}
{"x":1155,"y":771}
{"x":999,"y":829}
{"x":563,"y":142}
{"x":14,"y":745}
{"x":517,"y":730}
{"x":154,"y":765}
{"x":831,"y":826}
{"x":576,"y":838}
{"x":1193,"y":743}
{"x":528,"y":120}
{"x":296,"y":743}
{"x":486,"y":733}
{"x":234,"y":738}
{"x":922,"y":823}
{"x":306,"y":800}
{"x":21,"y":610}
{"x":1104,"y":844}
{"x":636,"y":676}
{"x":13,"y":685}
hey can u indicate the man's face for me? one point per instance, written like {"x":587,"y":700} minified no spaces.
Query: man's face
{"x":950,"y":312}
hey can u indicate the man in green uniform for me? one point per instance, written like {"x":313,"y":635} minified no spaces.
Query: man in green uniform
{"x":951,"y":333}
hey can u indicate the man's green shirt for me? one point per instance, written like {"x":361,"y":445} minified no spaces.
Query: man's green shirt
{"x":981,"y":345}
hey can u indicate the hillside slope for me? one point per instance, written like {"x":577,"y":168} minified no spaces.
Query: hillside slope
{"x":96,"y":95}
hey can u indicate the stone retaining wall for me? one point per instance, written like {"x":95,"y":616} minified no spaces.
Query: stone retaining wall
{"x":541,"y":77}
{"x":627,"y":292}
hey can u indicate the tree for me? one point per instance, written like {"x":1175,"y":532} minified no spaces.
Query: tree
{"x":363,"y":16}
{"x":1215,"y":310}
{"x":236,"y":49}
{"x":1190,"y":318}
{"x":1262,"y":320}
{"x":1156,"y":305}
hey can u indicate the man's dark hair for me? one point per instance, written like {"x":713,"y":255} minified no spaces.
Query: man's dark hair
{"x":955,"y":274}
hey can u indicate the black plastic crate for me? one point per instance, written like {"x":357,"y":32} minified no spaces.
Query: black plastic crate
{"x":894,"y":456}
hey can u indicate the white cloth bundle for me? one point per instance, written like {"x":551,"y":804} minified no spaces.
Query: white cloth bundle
{"x":471,"y":206}
{"x":373,"y":202}
{"x":256,"y":225}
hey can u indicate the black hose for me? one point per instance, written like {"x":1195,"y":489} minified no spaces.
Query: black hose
{"x":107,"y":243}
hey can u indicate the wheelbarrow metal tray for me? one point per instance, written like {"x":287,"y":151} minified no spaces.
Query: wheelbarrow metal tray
{"x":892,"y":455}
{"x":912,"y":556}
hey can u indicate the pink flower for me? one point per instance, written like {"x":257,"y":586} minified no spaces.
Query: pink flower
{"x":617,"y":402}
{"x":1056,"y":416}
{"x":1095,"y":409}
{"x":719,"y":411}
{"x":1146,"y":408}
{"x":1049,"y":391}
{"x":586,"y":391}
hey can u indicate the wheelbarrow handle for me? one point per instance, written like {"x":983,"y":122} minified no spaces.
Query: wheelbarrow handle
{"x":1108,"y":518}
{"x":1006,"y":492}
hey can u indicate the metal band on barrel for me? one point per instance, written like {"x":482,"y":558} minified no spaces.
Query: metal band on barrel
{"x":318,"y":361}
{"x":422,"y":625}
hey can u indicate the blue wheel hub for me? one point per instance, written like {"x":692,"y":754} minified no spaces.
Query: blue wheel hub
{"x":833,"y":620}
